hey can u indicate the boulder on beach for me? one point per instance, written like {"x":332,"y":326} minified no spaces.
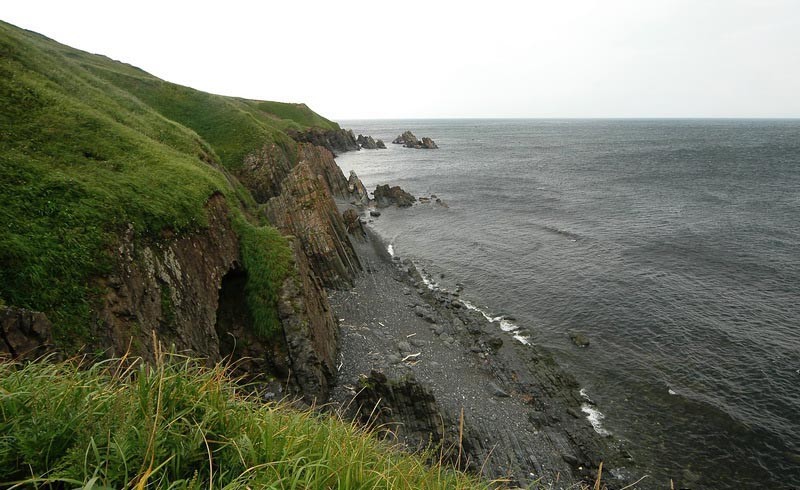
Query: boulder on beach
{"x":408,"y":140}
{"x":353,"y":222}
{"x":386,"y":196}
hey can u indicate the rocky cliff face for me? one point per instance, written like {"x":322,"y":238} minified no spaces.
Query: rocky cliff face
{"x":306,"y":209}
{"x":263,"y":171}
{"x":24,"y":334}
{"x":169,"y":287}
{"x":189,"y":293}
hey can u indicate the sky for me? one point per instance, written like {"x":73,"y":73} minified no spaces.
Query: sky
{"x":436,"y":59}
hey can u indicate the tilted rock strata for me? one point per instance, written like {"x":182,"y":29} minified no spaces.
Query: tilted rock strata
{"x":306,"y":209}
{"x":263,"y":171}
{"x":310,"y":331}
{"x":321,"y":161}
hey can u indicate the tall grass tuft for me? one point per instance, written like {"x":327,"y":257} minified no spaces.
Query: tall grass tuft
{"x":176,"y":424}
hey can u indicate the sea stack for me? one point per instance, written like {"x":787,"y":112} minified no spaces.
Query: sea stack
{"x":408,"y":140}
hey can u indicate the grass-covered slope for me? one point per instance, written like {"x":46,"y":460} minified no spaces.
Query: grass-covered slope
{"x":176,"y":425}
{"x":89,"y":145}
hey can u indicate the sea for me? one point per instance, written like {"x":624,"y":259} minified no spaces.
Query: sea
{"x":673,"y":246}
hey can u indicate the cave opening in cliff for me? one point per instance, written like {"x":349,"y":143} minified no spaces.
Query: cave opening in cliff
{"x":233,"y":314}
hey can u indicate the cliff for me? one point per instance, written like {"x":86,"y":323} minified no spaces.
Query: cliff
{"x":137,"y":214}
{"x":134,"y":209}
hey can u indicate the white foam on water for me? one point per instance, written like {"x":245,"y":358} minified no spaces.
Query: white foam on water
{"x":505,"y":325}
{"x":522,"y":339}
{"x":595,"y":417}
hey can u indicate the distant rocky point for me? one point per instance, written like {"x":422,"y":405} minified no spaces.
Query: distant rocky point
{"x":367,"y":143}
{"x":408,"y":140}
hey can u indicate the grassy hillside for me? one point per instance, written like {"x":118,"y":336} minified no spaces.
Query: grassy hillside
{"x":175,"y":425}
{"x":88,"y":145}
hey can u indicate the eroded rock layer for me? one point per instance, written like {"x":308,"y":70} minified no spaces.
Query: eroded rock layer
{"x":306,"y":209}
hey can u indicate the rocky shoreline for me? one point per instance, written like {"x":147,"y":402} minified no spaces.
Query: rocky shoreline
{"x":433,"y":372}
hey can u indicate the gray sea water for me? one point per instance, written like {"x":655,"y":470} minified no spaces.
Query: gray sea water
{"x":674,"y":245}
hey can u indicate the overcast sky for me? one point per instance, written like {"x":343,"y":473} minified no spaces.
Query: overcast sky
{"x":494,"y":58}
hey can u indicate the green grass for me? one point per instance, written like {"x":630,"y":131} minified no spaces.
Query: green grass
{"x":79,"y":161}
{"x":298,"y":113}
{"x":268,"y":259}
{"x":88,"y":146}
{"x":121,"y":424}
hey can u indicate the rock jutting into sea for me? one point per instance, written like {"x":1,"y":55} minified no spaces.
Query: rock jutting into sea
{"x":386,"y":196}
{"x":408,"y":140}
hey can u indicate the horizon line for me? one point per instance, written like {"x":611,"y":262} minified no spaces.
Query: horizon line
{"x":577,"y":118}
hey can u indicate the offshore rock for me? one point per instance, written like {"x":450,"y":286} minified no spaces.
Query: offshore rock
{"x":428,"y":144}
{"x":408,"y":140}
{"x":368,"y":143}
{"x":306,"y":210}
{"x":25,"y":335}
{"x":579,"y":339}
{"x":335,"y":140}
{"x":386,"y":196}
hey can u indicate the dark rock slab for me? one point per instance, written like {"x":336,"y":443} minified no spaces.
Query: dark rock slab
{"x":386,"y":196}
{"x":24,"y":334}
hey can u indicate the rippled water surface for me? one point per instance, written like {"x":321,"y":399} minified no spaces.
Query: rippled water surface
{"x":673,"y":245}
